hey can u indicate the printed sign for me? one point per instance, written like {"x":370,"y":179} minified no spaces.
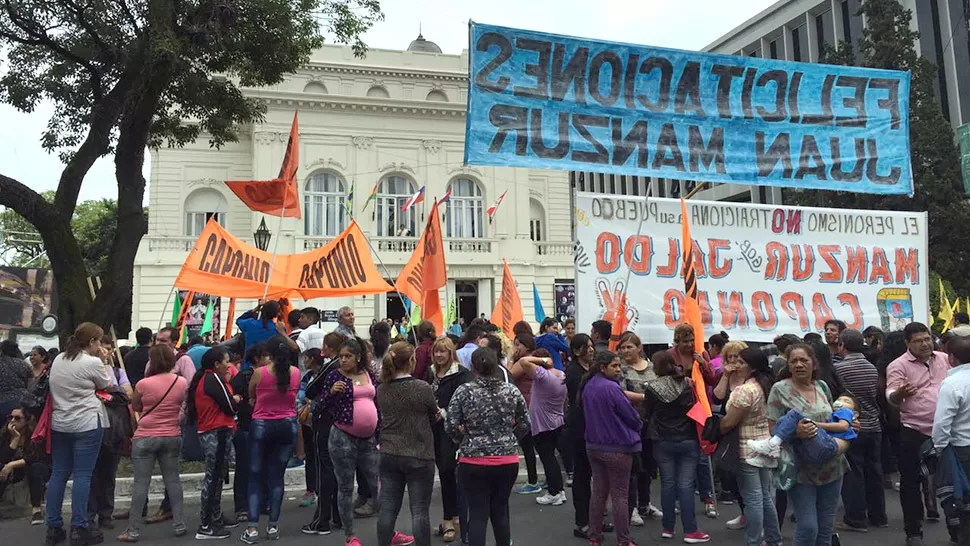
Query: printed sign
{"x":558,"y":102}
{"x":565,"y":294}
{"x":761,"y":270}
{"x":195,"y":317}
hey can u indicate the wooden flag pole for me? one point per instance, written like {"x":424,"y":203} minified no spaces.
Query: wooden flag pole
{"x":276,"y":250}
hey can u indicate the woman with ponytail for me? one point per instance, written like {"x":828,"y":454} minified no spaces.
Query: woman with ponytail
{"x":272,"y":392}
{"x":211,"y":404}
{"x":407,"y":447}
{"x":261,"y":324}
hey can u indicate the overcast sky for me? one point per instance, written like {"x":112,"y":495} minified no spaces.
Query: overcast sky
{"x":684,"y":24}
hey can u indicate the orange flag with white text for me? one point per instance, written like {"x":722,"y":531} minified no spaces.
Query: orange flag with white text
{"x":620,"y":323}
{"x":508,"y":310}
{"x":279,"y":196}
{"x":425,"y":272}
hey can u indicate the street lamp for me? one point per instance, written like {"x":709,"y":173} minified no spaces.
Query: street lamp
{"x":262,"y":236}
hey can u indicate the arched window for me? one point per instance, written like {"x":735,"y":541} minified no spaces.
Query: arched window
{"x":537,"y":221}
{"x":437,"y":95}
{"x":324,"y":214}
{"x":378,"y":92}
{"x":465,"y":210}
{"x":202,"y":205}
{"x":392,"y":193}
{"x":317,"y":88}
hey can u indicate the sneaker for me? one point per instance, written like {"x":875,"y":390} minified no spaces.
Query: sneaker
{"x":37,"y":518}
{"x":764,"y":447}
{"x":737,"y":523}
{"x":569,"y":479}
{"x":914,"y":541}
{"x":544,"y":485}
{"x":55,"y":536}
{"x":308,"y":500}
{"x":250,"y":536}
{"x":594,"y":542}
{"x":843,"y":526}
{"x":365,"y":511}
{"x":400,"y":539}
{"x":553,"y":500}
{"x":181,"y":530}
{"x":311,"y":530}
{"x":352,"y":541}
{"x":710,"y":511}
{"x":581,"y":532}
{"x":529,"y":489}
{"x":228,"y":523}
{"x":652,"y":512}
{"x":635,"y":518}
{"x":697,"y":537}
{"x":667,"y":533}
{"x":359,"y":501}
{"x":932,"y":517}
{"x":725,"y":498}
{"x":242,"y":517}
{"x":209,"y":532}
{"x":86,"y":536}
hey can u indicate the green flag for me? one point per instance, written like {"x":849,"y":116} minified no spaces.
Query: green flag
{"x":452,"y":311}
{"x":209,"y":313}
{"x":177,"y":310}
{"x":415,"y":314}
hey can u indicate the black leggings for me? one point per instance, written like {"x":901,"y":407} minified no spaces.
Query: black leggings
{"x":528,"y":445}
{"x":487,"y":490}
{"x":36,"y":474}
{"x":546,"y":444}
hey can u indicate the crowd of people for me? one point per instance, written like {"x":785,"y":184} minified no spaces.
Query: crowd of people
{"x":807,"y":421}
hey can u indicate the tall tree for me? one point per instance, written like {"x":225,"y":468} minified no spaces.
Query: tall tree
{"x":127,"y":74}
{"x":889,"y":42}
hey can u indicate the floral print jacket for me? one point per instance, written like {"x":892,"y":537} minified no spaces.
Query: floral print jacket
{"x":487,"y":417}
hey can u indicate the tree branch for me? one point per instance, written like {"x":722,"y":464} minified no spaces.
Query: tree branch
{"x":16,"y":196}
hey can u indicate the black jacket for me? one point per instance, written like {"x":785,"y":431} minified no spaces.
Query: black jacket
{"x":448,"y":384}
{"x":667,"y":402}
{"x":135,"y":362}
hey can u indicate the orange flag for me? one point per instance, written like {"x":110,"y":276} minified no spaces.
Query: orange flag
{"x":620,"y":323}
{"x":508,"y":310}
{"x":425,"y":272}
{"x":702,"y":409}
{"x":279,"y":196}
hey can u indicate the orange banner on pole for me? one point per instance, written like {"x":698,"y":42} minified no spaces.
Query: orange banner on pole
{"x":425,"y":272}
{"x":620,"y":323}
{"x":221,"y":264}
{"x":508,"y":311}
{"x":279,"y":196}
{"x":230,"y":320}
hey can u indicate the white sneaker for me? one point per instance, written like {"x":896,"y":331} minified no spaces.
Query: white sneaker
{"x":764,"y":447}
{"x":635,"y":518}
{"x":552,"y":500}
{"x":736,"y":524}
{"x":710,"y":511}
{"x":653,"y":512}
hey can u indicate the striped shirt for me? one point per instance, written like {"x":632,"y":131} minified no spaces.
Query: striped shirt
{"x":861,"y":379}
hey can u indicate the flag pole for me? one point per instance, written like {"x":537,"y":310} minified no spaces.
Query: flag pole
{"x":276,"y":249}
{"x":629,"y":269}
{"x":164,"y":307}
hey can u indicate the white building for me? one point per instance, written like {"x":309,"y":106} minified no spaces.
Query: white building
{"x":395,"y":119}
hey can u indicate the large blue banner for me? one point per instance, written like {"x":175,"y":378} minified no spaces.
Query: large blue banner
{"x":557,"y":102}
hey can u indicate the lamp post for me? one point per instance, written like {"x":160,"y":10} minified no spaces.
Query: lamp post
{"x":262,"y":236}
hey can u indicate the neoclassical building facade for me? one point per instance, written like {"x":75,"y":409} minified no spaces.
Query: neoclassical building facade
{"x":394,"y":120}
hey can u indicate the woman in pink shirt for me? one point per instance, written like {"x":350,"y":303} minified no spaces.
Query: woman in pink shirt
{"x":272,"y":435}
{"x":159,"y":398}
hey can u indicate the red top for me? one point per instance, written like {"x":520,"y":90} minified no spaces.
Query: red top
{"x":214,"y":405}
{"x":422,"y":359}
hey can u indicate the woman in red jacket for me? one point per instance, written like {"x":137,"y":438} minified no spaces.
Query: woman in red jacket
{"x":212,"y":405}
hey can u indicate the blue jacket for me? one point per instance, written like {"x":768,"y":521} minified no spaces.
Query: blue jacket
{"x":556,"y":345}
{"x":612,"y":423}
{"x":254,"y":331}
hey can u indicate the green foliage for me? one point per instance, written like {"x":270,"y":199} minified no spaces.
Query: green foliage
{"x":889,"y":42}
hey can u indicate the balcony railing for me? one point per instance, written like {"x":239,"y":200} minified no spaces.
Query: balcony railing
{"x":170,"y":244}
{"x":554,"y":249}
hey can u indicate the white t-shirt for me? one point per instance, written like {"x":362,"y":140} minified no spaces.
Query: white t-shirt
{"x":72,"y":384}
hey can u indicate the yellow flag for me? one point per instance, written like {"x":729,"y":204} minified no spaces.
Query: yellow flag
{"x":946,"y":310}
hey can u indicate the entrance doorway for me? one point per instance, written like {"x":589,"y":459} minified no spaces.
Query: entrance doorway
{"x":394,"y":308}
{"x":467,"y":294}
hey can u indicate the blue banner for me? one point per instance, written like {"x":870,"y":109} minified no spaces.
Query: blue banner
{"x":556,"y":102}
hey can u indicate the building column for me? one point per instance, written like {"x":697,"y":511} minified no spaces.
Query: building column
{"x":812,"y":34}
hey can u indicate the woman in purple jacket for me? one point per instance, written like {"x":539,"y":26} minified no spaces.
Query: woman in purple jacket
{"x":612,"y":438}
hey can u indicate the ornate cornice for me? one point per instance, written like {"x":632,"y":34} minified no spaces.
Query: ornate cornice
{"x":265,"y":138}
{"x":387,"y":72}
{"x":432,"y":146}
{"x":367,"y":104}
{"x":325,"y":163}
{"x":204,"y":182}
{"x":397,"y":167}
{"x":465,"y":169}
{"x":363,"y":142}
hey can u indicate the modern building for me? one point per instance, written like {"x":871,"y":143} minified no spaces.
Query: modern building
{"x":797,"y":30}
{"x":394,"y":120}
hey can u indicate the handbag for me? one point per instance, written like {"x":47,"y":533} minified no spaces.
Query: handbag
{"x":33,"y":400}
{"x":121,"y":421}
{"x":727,"y":456}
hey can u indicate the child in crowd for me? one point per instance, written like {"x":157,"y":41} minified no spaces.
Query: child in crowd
{"x":833,"y":438}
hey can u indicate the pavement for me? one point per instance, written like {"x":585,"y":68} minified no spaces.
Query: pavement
{"x":531,"y":525}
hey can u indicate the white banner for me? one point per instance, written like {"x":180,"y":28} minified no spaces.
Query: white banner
{"x":762,"y":270}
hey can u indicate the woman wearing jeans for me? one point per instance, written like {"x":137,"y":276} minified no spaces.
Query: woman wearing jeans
{"x":612,"y":439}
{"x":815,"y":495}
{"x":272,"y":392}
{"x":637,"y":371}
{"x":159,"y":398}
{"x":487,"y":417}
{"x":675,"y":446}
{"x":350,"y":397}
{"x":746,"y":411}
{"x":407,"y":447}
{"x":78,"y":421}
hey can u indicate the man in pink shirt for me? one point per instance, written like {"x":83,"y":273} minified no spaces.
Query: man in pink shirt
{"x":184,"y":367}
{"x":912,"y":383}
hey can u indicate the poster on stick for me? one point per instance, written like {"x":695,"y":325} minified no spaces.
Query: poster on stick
{"x":762,"y":270}
{"x":557,"y":102}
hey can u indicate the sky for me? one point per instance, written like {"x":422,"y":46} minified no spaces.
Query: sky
{"x":681,"y":24}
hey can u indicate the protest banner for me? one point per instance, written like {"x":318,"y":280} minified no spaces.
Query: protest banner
{"x":425,"y":272}
{"x":221,"y":264}
{"x":556,"y":102}
{"x":508,"y":310}
{"x":279,"y":196}
{"x":760,"y":270}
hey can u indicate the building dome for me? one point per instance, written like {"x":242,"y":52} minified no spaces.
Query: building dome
{"x":424,"y":46}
